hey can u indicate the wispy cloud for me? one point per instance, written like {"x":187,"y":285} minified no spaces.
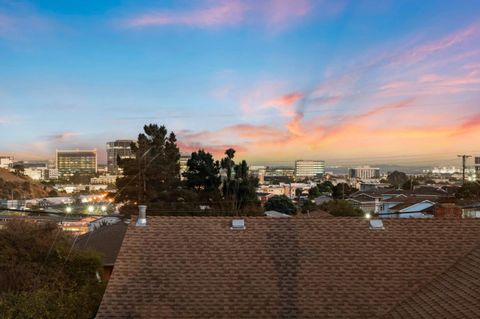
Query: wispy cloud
{"x":18,"y":20}
{"x":223,"y":13}
{"x":386,"y":103}
{"x":61,"y":137}
{"x":220,"y":13}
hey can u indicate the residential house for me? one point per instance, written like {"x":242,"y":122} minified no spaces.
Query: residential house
{"x":216,"y":267}
{"x":106,"y":240}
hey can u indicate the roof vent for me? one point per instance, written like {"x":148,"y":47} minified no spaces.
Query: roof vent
{"x":142,"y":215}
{"x":376,"y":224}
{"x":238,"y":224}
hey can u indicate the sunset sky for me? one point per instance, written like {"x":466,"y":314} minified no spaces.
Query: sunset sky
{"x":346,"y":81}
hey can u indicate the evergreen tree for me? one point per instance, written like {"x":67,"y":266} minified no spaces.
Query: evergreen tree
{"x":203,"y":172}
{"x":154,"y":172}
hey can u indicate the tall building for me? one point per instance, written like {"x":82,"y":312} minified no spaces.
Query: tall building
{"x":309,"y":168}
{"x":70,"y":162}
{"x":183,"y":164}
{"x":115,"y":149}
{"x":364,"y":172}
{"x":477,"y":167}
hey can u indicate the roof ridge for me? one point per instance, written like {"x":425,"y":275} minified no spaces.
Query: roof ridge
{"x":444,"y":271}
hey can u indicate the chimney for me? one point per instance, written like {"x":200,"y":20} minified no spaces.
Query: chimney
{"x":142,"y":216}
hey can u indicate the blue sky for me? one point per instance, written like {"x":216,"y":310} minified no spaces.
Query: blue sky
{"x":276,"y":79}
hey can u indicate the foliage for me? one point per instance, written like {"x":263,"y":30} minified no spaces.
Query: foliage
{"x":238,"y":187}
{"x":18,"y":169}
{"x":43,"y":276}
{"x":155,"y":170}
{"x":397,"y":179}
{"x":342,"y":191}
{"x":298,"y":192}
{"x":410,"y":184}
{"x":153,"y":178}
{"x":308,"y":206}
{"x":314,"y":192}
{"x":326,"y":187}
{"x":469,"y":190}
{"x":203,"y":172}
{"x":281,"y":204}
{"x":341,"y":208}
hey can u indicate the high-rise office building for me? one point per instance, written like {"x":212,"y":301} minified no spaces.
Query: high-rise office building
{"x":70,"y":162}
{"x":115,"y":149}
{"x":364,"y":172}
{"x":309,"y":168}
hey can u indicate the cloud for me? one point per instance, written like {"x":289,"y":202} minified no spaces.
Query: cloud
{"x":18,"y":21}
{"x":61,"y":137}
{"x":221,"y":13}
{"x":285,"y":100}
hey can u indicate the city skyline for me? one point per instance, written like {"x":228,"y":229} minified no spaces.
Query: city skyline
{"x":277,"y":81}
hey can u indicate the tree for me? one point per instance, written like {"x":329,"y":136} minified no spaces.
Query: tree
{"x":150,"y":177}
{"x":298,"y":192}
{"x":469,"y":191}
{"x":43,"y":276}
{"x":282,"y":204}
{"x":314,"y":192}
{"x":341,"y":208}
{"x":203,"y":172}
{"x":19,"y":169}
{"x":410,"y":184}
{"x":238,"y":187}
{"x":397,"y":179}
{"x":308,"y":206}
{"x":246,"y":191}
{"x":326,"y":187}
{"x":342,"y":191}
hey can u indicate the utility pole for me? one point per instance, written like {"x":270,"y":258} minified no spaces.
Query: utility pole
{"x":464,"y":165}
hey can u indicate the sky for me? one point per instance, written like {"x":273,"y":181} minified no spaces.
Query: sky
{"x":364,"y":81}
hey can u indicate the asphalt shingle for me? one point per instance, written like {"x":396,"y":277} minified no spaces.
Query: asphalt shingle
{"x":197,"y":267}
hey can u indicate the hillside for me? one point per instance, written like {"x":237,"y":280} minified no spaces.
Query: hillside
{"x":20,"y":186}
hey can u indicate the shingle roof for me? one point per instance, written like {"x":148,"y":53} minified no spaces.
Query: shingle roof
{"x":197,"y":267}
{"x":453,"y":294}
{"x":107,"y":240}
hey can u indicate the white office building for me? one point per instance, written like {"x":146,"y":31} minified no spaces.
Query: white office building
{"x":309,"y":168}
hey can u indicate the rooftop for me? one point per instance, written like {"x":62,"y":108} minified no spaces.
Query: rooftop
{"x":107,"y":240}
{"x":198,"y":267}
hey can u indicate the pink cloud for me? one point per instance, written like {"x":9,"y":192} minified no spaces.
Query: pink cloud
{"x":223,"y":13}
{"x":285,"y":100}
{"x":278,"y":12}
{"x":421,"y":52}
{"x":217,"y":13}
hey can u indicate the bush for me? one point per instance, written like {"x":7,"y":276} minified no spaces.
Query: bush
{"x":341,"y":208}
{"x":43,"y":276}
{"x":281,"y":204}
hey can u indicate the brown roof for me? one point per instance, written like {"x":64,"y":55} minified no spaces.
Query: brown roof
{"x":197,"y":267}
{"x":107,"y":240}
{"x":455,"y":293}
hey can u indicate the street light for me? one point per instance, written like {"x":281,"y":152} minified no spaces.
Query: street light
{"x":68,"y":210}
{"x":104,"y":208}
{"x":368,"y":216}
{"x":91,"y":209}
